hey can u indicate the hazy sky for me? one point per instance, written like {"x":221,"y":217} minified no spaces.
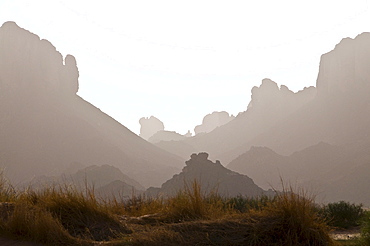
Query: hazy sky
{"x":180,"y":60}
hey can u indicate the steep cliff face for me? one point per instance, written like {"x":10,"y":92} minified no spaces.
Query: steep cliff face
{"x":45,"y":126}
{"x":344,"y":71}
{"x":29,"y":65}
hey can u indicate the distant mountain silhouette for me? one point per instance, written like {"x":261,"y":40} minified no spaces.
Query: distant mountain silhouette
{"x":333,"y":173}
{"x":212,"y":177}
{"x":118,"y":190}
{"x":45,"y":127}
{"x":212,"y":121}
{"x":166,"y":136}
{"x":150,"y":126}
{"x":267,"y":167}
{"x":107,"y":181}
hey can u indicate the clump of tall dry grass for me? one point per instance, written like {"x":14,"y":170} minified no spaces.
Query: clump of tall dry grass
{"x":288,"y":219}
{"x":7,"y":191}
{"x":82,"y":215}
{"x":188,"y":204}
{"x":61,"y":216}
{"x":36,"y":224}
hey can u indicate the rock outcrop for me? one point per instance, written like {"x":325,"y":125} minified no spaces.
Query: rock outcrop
{"x":150,"y":126}
{"x":273,"y":104}
{"x":211,"y":176}
{"x":212,"y":121}
{"x":33,"y":66}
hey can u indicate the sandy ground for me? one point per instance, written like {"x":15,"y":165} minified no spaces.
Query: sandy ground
{"x":345,"y":234}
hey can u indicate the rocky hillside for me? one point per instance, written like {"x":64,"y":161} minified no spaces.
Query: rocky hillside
{"x":212,"y":177}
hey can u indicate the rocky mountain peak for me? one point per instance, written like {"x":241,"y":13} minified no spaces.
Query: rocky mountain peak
{"x":29,"y":64}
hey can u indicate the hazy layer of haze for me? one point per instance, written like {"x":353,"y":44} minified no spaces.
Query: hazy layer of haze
{"x":180,"y":62}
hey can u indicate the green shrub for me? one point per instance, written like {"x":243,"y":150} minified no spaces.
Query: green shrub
{"x":365,"y":229}
{"x":343,"y":214}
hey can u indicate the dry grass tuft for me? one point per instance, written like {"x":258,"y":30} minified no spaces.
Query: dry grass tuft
{"x":80,"y":214}
{"x":7,"y":191}
{"x":188,"y":204}
{"x":290,"y":219}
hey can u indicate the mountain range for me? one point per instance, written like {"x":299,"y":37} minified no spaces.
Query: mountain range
{"x":336,"y":111}
{"x":317,"y":138}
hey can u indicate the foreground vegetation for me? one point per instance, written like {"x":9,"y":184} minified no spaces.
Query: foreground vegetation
{"x":66,"y":216}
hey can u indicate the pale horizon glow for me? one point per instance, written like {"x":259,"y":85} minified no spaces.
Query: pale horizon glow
{"x":179,"y":61}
